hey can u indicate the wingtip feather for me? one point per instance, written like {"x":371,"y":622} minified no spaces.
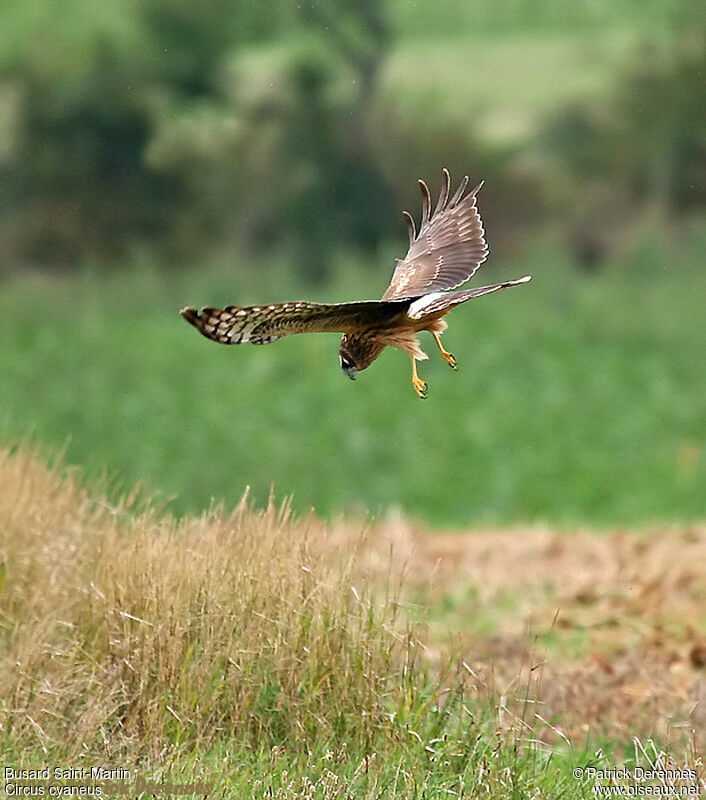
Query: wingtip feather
{"x":411,"y":226}
{"x":426,"y":202}
{"x":189,"y":313}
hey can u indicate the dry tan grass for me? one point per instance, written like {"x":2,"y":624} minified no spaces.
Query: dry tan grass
{"x":127,"y":631}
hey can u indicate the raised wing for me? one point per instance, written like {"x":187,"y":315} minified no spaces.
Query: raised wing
{"x":264,"y":324}
{"x":449,"y":247}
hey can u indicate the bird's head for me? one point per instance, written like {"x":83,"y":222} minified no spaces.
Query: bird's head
{"x":357,"y":352}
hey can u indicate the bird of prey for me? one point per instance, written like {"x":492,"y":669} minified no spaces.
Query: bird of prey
{"x":445,"y":252}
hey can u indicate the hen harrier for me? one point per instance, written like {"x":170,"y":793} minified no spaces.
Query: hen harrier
{"x":447,"y":250}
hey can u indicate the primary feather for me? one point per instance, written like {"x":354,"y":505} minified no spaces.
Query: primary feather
{"x":449,"y":247}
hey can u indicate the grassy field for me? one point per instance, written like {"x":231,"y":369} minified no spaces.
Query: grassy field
{"x":269,"y":656}
{"x":500,"y":70}
{"x":578,"y":399}
{"x":322,"y":589}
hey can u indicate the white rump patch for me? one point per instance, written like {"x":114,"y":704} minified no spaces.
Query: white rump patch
{"x":417,"y":308}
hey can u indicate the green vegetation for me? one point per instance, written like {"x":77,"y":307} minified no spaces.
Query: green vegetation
{"x":154,"y":155}
{"x":578,"y":398}
{"x":262,"y":654}
{"x":188,"y":128}
{"x":144,"y":136}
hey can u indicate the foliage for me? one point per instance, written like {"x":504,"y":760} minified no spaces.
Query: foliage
{"x":243,"y":649}
{"x":123,"y":128}
{"x":576,"y":400}
{"x":642,"y":147}
{"x":235,"y":632}
{"x":187,"y":129}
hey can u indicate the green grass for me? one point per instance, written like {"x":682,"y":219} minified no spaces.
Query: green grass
{"x":510,"y":86}
{"x":466,"y":759}
{"x":482,"y":18}
{"x":500,"y":70}
{"x":230,"y":649}
{"x":467,"y":767}
{"x":578,"y":399}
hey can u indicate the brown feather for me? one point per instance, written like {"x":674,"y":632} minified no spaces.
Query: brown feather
{"x":267,"y":323}
{"x":412,"y":226}
{"x":448,"y":248}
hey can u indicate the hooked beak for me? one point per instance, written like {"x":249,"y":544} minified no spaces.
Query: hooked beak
{"x":347,"y":366}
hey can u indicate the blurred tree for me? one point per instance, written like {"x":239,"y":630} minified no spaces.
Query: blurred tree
{"x":288,"y":164}
{"x":192,"y":127}
{"x":75,"y":181}
{"x":644,"y":148}
{"x":183,"y":126}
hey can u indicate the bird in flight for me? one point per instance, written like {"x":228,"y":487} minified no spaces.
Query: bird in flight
{"x":445,"y":252}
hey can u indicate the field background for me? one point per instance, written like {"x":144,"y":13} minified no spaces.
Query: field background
{"x":544,"y":506}
{"x":273,"y":656}
{"x":576,"y":400}
{"x":157,"y":159}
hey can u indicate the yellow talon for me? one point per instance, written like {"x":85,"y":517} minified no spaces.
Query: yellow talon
{"x":420,"y":386}
{"x":448,"y":357}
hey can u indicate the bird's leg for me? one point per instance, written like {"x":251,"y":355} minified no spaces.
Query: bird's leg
{"x":448,"y":358}
{"x":420,"y":386}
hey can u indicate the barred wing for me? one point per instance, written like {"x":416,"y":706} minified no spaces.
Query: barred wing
{"x":264,"y":324}
{"x":449,"y":247}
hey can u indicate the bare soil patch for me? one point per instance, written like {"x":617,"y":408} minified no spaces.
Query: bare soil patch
{"x":603,"y":632}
